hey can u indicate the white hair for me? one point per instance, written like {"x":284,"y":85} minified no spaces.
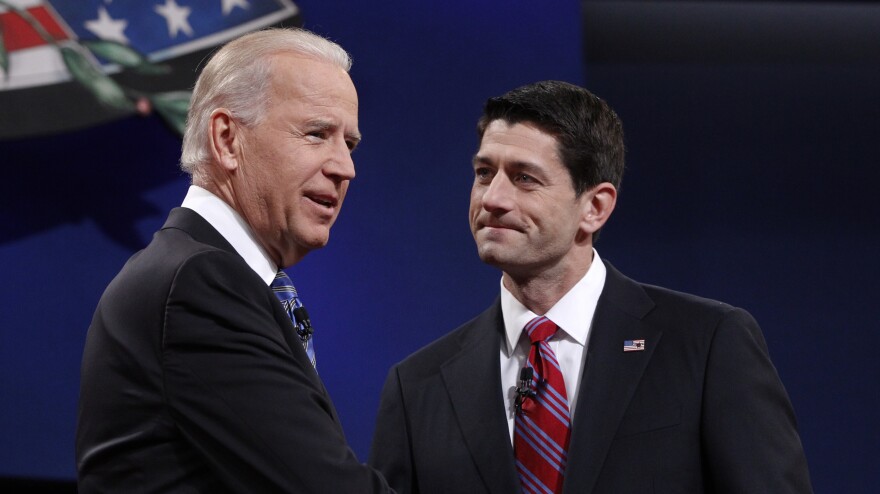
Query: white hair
{"x":237,"y":77}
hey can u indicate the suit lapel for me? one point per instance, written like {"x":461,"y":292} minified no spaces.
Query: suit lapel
{"x":199,"y":229}
{"x":609,"y":378}
{"x":472,"y":378}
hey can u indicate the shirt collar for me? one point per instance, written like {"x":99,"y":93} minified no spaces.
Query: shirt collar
{"x":233,"y":228}
{"x":573,"y":313}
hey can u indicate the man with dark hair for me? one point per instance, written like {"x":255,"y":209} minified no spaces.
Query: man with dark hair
{"x":198,"y":371}
{"x":577,"y":378}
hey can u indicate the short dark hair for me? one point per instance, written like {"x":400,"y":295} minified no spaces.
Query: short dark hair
{"x":588,"y":132}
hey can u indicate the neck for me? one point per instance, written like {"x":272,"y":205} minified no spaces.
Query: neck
{"x":224,"y":190}
{"x":221,"y":189}
{"x":539,"y":293}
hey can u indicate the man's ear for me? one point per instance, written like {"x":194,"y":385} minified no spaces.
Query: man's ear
{"x":598,"y":203}
{"x":225,"y":137}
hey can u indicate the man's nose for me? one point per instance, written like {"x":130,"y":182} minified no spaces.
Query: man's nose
{"x":498,"y":195}
{"x":341,"y":165}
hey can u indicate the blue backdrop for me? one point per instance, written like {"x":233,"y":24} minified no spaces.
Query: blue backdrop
{"x":749,"y":180}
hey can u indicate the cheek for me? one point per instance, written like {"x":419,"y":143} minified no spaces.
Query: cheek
{"x":476,"y":203}
{"x":473,"y":212}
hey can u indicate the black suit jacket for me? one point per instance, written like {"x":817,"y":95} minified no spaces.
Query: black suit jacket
{"x":193,"y":380}
{"x":701,"y":409}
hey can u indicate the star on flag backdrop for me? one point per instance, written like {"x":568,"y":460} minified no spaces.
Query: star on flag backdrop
{"x":66,"y":64}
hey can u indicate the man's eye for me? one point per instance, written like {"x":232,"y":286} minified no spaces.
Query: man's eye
{"x":523,"y":178}
{"x":482,"y":173}
{"x":318,"y":134}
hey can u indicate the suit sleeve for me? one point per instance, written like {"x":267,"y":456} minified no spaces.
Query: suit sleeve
{"x":242,"y":396}
{"x":391,"y":450}
{"x":750,"y":438}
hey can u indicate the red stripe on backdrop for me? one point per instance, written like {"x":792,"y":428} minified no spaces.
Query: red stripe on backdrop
{"x":18,"y":34}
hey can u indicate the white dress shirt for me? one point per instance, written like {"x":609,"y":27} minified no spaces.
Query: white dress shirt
{"x":233,"y":228}
{"x":573,"y":313}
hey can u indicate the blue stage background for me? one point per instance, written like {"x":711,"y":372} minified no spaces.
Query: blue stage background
{"x":747,"y":181}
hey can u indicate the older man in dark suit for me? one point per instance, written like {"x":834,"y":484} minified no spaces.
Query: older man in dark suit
{"x":578,"y":379}
{"x":195,"y":378}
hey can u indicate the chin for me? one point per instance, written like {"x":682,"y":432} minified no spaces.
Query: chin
{"x":299,"y":250}
{"x":490,"y":256}
{"x":314,"y":237}
{"x":316,"y":242}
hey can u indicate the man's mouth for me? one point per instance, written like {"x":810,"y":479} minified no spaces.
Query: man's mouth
{"x":326,"y":201}
{"x":497,"y":226}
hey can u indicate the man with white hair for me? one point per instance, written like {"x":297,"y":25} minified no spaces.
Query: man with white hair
{"x":198,"y":372}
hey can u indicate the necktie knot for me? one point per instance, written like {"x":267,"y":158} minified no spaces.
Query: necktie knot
{"x":540,"y":329}
{"x":285,"y":291}
{"x":283,"y":288}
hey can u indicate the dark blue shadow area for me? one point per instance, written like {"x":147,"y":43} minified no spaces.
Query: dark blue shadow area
{"x":754,"y":184}
{"x":99,"y":174}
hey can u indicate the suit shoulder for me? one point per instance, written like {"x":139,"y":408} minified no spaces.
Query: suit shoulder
{"x":152,"y":271}
{"x":431,"y":356}
{"x":640,"y":300}
{"x":436,"y":352}
{"x":662,"y":295}
{"x":682,"y":310}
{"x":667,"y":308}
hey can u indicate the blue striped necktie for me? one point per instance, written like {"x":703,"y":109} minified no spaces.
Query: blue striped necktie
{"x":543,"y":423}
{"x":286,"y":293}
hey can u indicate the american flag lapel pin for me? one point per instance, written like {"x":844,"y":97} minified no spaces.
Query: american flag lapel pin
{"x":634,"y":345}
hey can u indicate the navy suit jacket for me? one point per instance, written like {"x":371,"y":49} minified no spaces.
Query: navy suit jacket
{"x":193,"y":380}
{"x":700,"y":410}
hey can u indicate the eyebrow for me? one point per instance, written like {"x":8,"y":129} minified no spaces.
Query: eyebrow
{"x":320,"y":124}
{"x":354,"y":136}
{"x":481,"y":160}
{"x":520,"y":166}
